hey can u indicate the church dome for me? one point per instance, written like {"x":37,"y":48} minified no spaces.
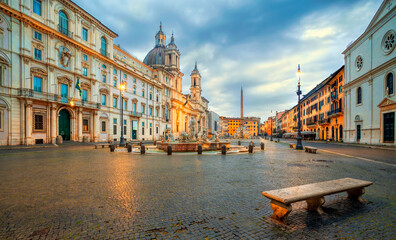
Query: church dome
{"x":156,"y":56}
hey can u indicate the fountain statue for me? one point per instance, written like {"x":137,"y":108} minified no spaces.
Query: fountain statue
{"x":192,"y":129}
{"x":168,"y":135}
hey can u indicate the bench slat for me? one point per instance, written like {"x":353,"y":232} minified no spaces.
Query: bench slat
{"x":303,"y":192}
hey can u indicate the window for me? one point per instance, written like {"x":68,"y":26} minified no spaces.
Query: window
{"x":103,"y":100}
{"x":114,"y":120}
{"x":103,"y":126}
{"x":85,"y":71}
{"x":134,"y":90}
{"x":359,"y":63}
{"x":125,"y":127}
{"x":84,"y":95}
{"x":38,"y":36}
{"x":115,"y":71}
{"x":115,"y":102}
{"x":156,"y":112}
{"x":38,"y":122}
{"x":85,"y":34}
{"x":37,"y":54}
{"x":134,"y":108}
{"x":339,"y":89}
{"x":37,"y":7}
{"x":124,"y":75}
{"x":134,"y":80}
{"x":104,"y":78}
{"x":1,"y":120}
{"x":142,"y":93}
{"x":389,"y":84}
{"x":85,"y":125}
{"x":63,"y":23}
{"x":64,"y":93}
{"x":85,"y":57}
{"x":151,"y":111}
{"x":125,"y":105}
{"x":103,"y":46}
{"x":359,"y":95}
{"x":389,"y":41}
{"x":151,"y":96}
{"x":114,"y":129}
{"x":143,"y":108}
{"x":115,"y":83}
{"x":38,"y":84}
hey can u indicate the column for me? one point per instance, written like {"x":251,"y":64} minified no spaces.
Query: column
{"x":79,"y":125}
{"x":54,"y":122}
{"x":95,"y":130}
{"x":29,"y":123}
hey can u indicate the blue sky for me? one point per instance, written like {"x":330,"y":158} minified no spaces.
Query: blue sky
{"x":254,"y":44}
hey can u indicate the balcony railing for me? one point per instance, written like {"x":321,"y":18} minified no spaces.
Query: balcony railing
{"x":136,"y":114}
{"x":334,"y":112}
{"x":324,"y":121}
{"x":51,"y":97}
{"x":311,"y":122}
{"x":65,"y":31}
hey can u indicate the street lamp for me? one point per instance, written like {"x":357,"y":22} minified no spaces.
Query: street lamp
{"x":299,"y":145}
{"x":122,"y":90}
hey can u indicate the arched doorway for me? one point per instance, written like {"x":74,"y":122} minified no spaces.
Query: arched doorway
{"x":64,"y":124}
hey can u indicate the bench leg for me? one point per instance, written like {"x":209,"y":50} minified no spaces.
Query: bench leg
{"x":96,"y":147}
{"x":102,"y":146}
{"x":315,"y":204}
{"x":281,"y":210}
{"x":356,"y":194}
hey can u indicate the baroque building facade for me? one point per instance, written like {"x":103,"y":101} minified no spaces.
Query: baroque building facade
{"x":61,"y":75}
{"x":370,"y":68}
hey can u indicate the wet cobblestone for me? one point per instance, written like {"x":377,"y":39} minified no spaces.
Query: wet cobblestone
{"x":95,"y":194}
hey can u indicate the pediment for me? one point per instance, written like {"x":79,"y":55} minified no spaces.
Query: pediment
{"x":386,"y":102}
{"x":386,"y":6}
{"x":65,"y":80}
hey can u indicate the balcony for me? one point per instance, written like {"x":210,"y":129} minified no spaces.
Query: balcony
{"x":324,"y":121}
{"x":311,"y":122}
{"x":65,"y":31}
{"x":136,"y":114}
{"x":335,"y":112}
{"x":335,"y":84}
{"x":51,"y":97}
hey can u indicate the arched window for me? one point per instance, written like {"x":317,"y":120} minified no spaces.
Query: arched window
{"x":63,"y":23}
{"x":389,"y":84}
{"x":359,"y":95}
{"x":195,"y":84}
{"x":103,"y":46}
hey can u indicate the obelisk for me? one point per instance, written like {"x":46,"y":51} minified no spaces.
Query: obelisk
{"x":241,"y":102}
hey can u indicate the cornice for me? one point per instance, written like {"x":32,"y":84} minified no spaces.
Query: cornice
{"x":370,"y":74}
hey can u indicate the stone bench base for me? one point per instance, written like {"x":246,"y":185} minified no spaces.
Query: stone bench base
{"x":310,"y":150}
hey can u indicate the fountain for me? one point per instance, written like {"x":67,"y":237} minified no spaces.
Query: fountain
{"x":188,"y":142}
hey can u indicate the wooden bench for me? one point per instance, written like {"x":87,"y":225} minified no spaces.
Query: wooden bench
{"x":292,"y":145}
{"x":311,"y":149}
{"x":102,"y":144}
{"x":281,"y":199}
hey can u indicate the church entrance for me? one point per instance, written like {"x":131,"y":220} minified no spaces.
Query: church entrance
{"x":64,"y":124}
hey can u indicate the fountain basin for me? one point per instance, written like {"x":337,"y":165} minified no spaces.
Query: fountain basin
{"x":193,"y":146}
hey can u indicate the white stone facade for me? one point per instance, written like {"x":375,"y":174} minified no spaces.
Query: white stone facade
{"x":370,"y":68}
{"x":46,"y":49}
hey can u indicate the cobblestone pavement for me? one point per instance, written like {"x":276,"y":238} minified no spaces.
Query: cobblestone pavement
{"x":94,"y":194}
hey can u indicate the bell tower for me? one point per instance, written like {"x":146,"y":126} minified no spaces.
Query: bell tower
{"x":160,"y":38}
{"x":195,"y":88}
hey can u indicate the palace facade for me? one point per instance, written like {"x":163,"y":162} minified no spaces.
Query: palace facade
{"x":61,"y":75}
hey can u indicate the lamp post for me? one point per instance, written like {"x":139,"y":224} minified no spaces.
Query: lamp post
{"x":122,"y":89}
{"x":271,"y":126}
{"x":299,"y":145}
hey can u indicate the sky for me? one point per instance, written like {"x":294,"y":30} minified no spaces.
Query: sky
{"x":256,"y":45}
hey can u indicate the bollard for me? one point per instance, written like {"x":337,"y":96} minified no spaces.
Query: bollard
{"x":112,"y":147}
{"x":223,"y":149}
{"x":251,"y":148}
{"x":262,"y":146}
{"x":129,"y":148}
{"x":199,"y":149}
{"x":142,"y":149}
{"x":239,"y":143}
{"x":169,"y":150}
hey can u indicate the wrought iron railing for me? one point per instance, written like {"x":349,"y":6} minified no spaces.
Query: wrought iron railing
{"x":65,"y":31}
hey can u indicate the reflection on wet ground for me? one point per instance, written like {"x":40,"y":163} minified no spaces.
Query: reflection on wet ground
{"x":86,"y":193}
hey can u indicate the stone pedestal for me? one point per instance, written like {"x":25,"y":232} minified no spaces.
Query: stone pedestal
{"x":281,"y":210}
